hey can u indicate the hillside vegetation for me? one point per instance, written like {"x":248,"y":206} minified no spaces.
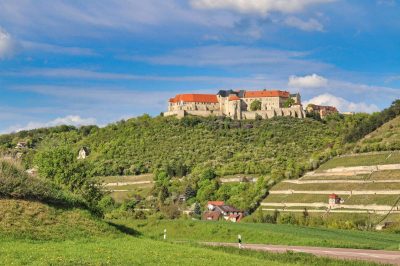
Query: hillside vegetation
{"x":16,"y":184}
{"x":144,"y":144}
{"x":384,"y":138}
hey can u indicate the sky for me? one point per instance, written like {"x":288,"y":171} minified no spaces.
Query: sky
{"x":96,"y":62}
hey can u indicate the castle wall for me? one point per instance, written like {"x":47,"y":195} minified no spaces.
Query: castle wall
{"x":294,"y":111}
{"x":183,"y":113}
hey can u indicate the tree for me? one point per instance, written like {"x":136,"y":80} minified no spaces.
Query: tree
{"x":208,"y":174}
{"x":60,"y":165}
{"x":255,"y":105}
{"x":289,"y":103}
{"x":190,"y":192}
{"x":163,"y":194}
{"x":197,"y":209}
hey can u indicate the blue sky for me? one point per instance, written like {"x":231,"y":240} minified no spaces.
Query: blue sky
{"x":85,"y":62}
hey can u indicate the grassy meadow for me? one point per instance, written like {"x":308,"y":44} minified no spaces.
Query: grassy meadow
{"x":362,"y":160}
{"x":280,"y":234}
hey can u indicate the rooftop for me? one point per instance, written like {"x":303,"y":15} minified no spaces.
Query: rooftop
{"x":266,"y":93}
{"x":198,"y":98}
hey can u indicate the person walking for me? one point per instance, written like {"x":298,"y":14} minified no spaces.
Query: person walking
{"x":240,"y":241}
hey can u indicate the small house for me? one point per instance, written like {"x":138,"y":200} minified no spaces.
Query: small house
{"x":83,"y":153}
{"x":333,"y":199}
{"x":218,"y":210}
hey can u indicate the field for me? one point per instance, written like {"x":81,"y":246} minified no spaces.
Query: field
{"x":363,"y":160}
{"x":121,"y":251}
{"x":123,"y":188}
{"x":132,"y":178}
{"x":338,"y":186}
{"x":377,"y":175}
{"x":184,"y":230}
{"x":310,"y":198}
{"x":33,"y":233}
{"x":141,"y":251}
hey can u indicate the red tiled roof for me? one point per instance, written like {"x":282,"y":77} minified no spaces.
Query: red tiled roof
{"x":233,"y":98}
{"x":333,"y":196}
{"x":216,"y":203}
{"x":198,"y":98}
{"x":260,"y":94}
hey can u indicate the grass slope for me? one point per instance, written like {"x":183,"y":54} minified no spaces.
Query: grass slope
{"x":362,"y":160}
{"x":386,"y":137}
{"x":21,"y":219}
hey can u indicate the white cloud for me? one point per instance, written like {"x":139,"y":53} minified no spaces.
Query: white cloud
{"x":309,"y":25}
{"x":73,"y":120}
{"x":342,"y":104}
{"x":6,"y":44}
{"x":310,"y":81}
{"x":262,"y":7}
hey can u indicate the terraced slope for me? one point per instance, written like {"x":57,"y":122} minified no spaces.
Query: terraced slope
{"x":123,"y":188}
{"x":367,"y":184}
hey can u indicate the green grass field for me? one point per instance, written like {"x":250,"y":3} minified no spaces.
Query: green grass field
{"x":387,"y":174}
{"x":121,"y":196}
{"x":33,"y":233}
{"x":185,"y":230}
{"x":337,"y":186}
{"x":131,"y":178}
{"x":310,"y":198}
{"x":121,"y":251}
{"x":141,"y":251}
{"x":362,"y":160}
{"x":336,"y":177}
{"x":142,"y":190}
{"x":378,"y":175}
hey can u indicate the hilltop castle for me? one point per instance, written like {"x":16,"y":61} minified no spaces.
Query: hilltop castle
{"x":238,"y":105}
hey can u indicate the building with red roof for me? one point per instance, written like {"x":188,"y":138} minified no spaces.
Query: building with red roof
{"x":217,"y":210}
{"x":237,"y":104}
{"x":321,"y":110}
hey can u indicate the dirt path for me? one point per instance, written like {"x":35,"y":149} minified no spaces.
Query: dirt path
{"x":374,"y":207}
{"x":340,"y":181}
{"x":119,"y":184}
{"x":339,"y":192}
{"x":380,"y":256}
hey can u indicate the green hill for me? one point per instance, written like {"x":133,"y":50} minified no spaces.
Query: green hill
{"x":384,"y":138}
{"x":184,"y":148}
{"x":144,"y":144}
